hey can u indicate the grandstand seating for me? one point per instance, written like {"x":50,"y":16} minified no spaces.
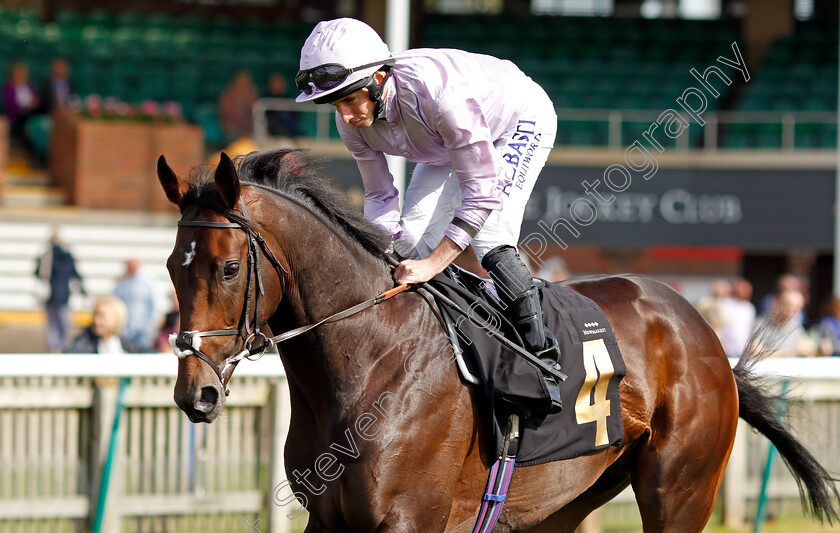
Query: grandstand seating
{"x":601,"y":63}
{"x":595,"y":63}
{"x":140,"y":57}
{"x":798,"y":74}
{"x":589,"y":63}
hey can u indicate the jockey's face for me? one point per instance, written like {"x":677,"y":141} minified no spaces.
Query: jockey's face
{"x":356,"y":108}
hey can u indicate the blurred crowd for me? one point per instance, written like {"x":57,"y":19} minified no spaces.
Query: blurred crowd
{"x":779,"y":325}
{"x":23,"y":101}
{"x":28,"y":105}
{"x":133,"y":319}
{"x":236,"y":103}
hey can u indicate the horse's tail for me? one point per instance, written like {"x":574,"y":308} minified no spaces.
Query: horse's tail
{"x":758,"y":409}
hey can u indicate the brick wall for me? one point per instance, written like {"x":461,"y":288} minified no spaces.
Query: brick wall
{"x":108,"y":164}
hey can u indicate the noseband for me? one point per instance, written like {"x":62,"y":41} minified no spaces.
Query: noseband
{"x":188,"y":342}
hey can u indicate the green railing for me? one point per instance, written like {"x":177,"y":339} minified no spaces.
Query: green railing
{"x":618,"y":129}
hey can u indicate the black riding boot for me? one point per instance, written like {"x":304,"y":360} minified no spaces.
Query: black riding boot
{"x":516,"y":289}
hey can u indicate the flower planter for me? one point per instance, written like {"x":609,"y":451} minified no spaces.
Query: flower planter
{"x":111,"y":164}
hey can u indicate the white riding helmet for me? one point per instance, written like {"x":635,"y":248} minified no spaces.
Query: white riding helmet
{"x":333,"y":44}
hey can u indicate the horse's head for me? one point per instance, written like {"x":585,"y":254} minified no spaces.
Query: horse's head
{"x":216,"y":269}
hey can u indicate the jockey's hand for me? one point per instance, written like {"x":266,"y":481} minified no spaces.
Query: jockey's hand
{"x":415,"y":271}
{"x":418,"y":271}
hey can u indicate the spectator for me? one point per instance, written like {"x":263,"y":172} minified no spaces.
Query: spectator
{"x":738,"y":317}
{"x":171,"y":324}
{"x":553,"y":269}
{"x":828,"y":329}
{"x":235,"y":106}
{"x":57,"y":90}
{"x":56,"y":268}
{"x":783,"y":283}
{"x":103,"y":335}
{"x":712,"y":306}
{"x":20,"y":102}
{"x":280,"y":123}
{"x":782,"y":332}
{"x":139,"y":292}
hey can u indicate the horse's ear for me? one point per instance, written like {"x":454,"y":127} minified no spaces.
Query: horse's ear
{"x":227,"y":182}
{"x":174,"y":187}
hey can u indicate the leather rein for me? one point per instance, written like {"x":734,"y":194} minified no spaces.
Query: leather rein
{"x":184,"y":342}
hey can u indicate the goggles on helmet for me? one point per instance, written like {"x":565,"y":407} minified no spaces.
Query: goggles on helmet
{"x":330,"y":75}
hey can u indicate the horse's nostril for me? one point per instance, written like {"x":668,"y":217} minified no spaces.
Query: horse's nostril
{"x":208,"y":399}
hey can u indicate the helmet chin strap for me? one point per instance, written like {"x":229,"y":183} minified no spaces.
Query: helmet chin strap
{"x":376,"y":91}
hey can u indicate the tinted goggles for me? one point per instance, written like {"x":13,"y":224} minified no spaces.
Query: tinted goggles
{"x":330,"y":75}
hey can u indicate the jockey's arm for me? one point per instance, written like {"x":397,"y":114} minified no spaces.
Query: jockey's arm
{"x":416,"y":271}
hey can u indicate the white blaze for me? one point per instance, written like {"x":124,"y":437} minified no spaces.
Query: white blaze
{"x":189,"y":256}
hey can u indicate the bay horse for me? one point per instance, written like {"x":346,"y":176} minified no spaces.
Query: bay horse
{"x":416,"y":452}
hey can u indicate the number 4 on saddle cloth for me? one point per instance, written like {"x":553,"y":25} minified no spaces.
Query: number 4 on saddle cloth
{"x":591,"y":416}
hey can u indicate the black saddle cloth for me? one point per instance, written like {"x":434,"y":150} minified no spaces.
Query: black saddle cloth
{"x":591,"y":415}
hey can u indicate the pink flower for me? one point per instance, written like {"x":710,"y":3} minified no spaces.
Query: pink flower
{"x":93,"y":104}
{"x":150,"y":107}
{"x":172,"y":109}
{"x":111,"y":105}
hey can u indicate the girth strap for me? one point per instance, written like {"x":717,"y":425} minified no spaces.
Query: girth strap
{"x":499,"y":480}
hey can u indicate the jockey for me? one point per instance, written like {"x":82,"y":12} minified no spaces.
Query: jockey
{"x":480,"y":132}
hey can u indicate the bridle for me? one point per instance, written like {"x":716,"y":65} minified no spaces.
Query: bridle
{"x":184,"y":342}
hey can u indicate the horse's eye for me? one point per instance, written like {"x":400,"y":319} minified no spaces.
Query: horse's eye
{"x":231,"y":269}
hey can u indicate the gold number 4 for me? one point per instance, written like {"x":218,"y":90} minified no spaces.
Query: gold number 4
{"x":599,"y":371}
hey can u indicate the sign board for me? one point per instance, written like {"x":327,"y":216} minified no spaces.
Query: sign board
{"x":761,"y":210}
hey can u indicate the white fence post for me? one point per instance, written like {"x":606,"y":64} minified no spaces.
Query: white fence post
{"x":735,"y":481}
{"x":280,"y":410}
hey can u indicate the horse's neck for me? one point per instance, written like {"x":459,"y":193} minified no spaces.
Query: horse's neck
{"x":329,"y":273}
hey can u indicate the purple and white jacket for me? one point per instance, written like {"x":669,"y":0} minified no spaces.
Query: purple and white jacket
{"x":445,"y":108}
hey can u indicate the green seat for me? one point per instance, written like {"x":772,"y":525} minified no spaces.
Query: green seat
{"x":186,"y":44}
{"x":24,"y":14}
{"x":156,"y":37}
{"x":69,"y":18}
{"x":222,"y":24}
{"x":191,"y":21}
{"x":161,"y":21}
{"x":768,"y":135}
{"x":39,"y":130}
{"x":112,"y":86}
{"x":127,"y":39}
{"x":828,"y":135}
{"x":738,"y":141}
{"x":739,"y":135}
{"x":129,"y":18}
{"x":101,"y":18}
{"x":152,"y":88}
{"x":207,"y":118}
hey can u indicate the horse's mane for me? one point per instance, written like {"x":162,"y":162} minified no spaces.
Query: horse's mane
{"x":292,"y":174}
